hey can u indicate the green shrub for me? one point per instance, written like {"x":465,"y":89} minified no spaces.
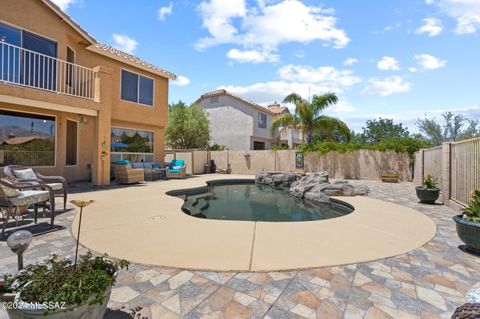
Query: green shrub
{"x":397,"y":144}
{"x":472,"y":212}
{"x":58,"y":281}
{"x":430,"y":182}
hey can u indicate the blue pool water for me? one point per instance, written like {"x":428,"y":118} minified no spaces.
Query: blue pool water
{"x":245,"y":200}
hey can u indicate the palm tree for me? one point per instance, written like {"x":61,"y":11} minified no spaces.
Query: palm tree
{"x":308,"y":117}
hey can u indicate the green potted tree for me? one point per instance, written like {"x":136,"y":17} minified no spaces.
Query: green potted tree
{"x":60,"y":289}
{"x":468,"y":224}
{"x":428,"y":193}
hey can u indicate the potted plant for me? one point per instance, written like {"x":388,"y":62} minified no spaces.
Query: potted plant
{"x":60,"y":289}
{"x":468,"y":224}
{"x":390,"y":176}
{"x":428,"y":193}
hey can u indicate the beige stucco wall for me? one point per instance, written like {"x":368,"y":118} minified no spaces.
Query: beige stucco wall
{"x":361,"y":164}
{"x":36,"y":17}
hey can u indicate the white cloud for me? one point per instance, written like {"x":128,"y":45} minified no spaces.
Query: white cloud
{"x":266,"y":25}
{"x":163,"y":12}
{"x":429,"y":62}
{"x":342,"y":106}
{"x":252,"y":56}
{"x":412,"y":69}
{"x":327,"y":75}
{"x":266,"y":92}
{"x":350,"y":61}
{"x":181,"y":81}
{"x":431,"y":26}
{"x":64,"y":4}
{"x":388,"y":63}
{"x":386,"y":86}
{"x":466,"y":12}
{"x":124,"y":43}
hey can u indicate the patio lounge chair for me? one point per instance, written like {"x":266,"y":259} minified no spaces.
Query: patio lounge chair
{"x":125,"y":174}
{"x":57,"y":184}
{"x":177,"y":169}
{"x":16,"y":194}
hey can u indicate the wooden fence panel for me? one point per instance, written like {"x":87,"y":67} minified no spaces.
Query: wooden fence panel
{"x":432,"y":159}
{"x":465,"y":169}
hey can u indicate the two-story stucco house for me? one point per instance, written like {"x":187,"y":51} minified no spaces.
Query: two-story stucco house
{"x":235,"y":122}
{"x":240,"y":124}
{"x":70,"y":105}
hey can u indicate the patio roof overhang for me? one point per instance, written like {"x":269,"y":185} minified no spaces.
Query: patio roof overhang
{"x":47,"y":105}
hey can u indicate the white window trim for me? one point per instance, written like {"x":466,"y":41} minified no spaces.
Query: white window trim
{"x":56,"y":133}
{"x":78,"y":141}
{"x":138,"y":88}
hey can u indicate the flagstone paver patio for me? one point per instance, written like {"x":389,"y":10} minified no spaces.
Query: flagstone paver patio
{"x":429,"y":282}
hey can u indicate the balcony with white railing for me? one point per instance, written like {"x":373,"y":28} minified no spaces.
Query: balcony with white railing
{"x":297,"y":134}
{"x":28,"y":68}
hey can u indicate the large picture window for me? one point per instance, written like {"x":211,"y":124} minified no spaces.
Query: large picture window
{"x":26,"y":139}
{"x":131,"y":140}
{"x":136,"y":88}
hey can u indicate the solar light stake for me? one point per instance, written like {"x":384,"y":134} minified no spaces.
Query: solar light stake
{"x":81,"y":204}
{"x":18,"y":243}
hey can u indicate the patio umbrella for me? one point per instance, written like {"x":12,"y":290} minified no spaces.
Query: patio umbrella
{"x":119,"y":145}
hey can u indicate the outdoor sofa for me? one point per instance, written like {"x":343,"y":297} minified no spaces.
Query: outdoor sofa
{"x":126,"y":174}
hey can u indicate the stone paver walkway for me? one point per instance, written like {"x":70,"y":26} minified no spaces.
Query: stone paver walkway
{"x":429,"y":282}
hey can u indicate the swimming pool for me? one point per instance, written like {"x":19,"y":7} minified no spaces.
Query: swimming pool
{"x":247,"y":201}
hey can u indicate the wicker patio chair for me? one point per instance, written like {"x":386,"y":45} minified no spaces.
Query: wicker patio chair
{"x":467,"y":311}
{"x":125,"y":174}
{"x":16,"y":194}
{"x":57,"y":184}
{"x":178,"y":169}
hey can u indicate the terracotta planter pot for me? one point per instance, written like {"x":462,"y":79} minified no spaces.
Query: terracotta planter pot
{"x":427,"y":195}
{"x":469,"y":233}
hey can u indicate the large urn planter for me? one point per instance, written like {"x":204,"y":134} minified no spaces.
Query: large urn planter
{"x":427,"y":195}
{"x":85,"y":310}
{"x":469,"y":232}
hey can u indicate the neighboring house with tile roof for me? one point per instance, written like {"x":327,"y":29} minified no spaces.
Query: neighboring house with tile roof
{"x":57,"y":81}
{"x":241,"y":124}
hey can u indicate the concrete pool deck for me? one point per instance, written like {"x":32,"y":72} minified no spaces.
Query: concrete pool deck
{"x":144,"y":225}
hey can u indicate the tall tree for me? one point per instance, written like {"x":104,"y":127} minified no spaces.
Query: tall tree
{"x":188,"y":126}
{"x":381,"y":129}
{"x":308,"y":117}
{"x":452,"y":128}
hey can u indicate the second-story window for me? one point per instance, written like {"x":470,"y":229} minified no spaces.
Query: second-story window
{"x":136,"y":88}
{"x":262,"y":120}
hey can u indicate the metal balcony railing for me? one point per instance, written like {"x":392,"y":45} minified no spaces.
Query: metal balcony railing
{"x":32,"y":69}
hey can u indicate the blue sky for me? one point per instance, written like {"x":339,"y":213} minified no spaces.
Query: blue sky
{"x":401,"y":59}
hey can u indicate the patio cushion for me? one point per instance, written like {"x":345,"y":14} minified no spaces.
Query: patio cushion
{"x":137,"y":165}
{"x":125,"y":162}
{"x":174,"y":170}
{"x":30,"y":197}
{"x":56,"y":186}
{"x":156,"y":165}
{"x":177,"y":167}
{"x":25,"y":174}
{"x":10,"y":192}
{"x":178,"y":163}
{"x":147,"y":165}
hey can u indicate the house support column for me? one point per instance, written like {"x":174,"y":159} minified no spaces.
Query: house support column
{"x":103,"y":124}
